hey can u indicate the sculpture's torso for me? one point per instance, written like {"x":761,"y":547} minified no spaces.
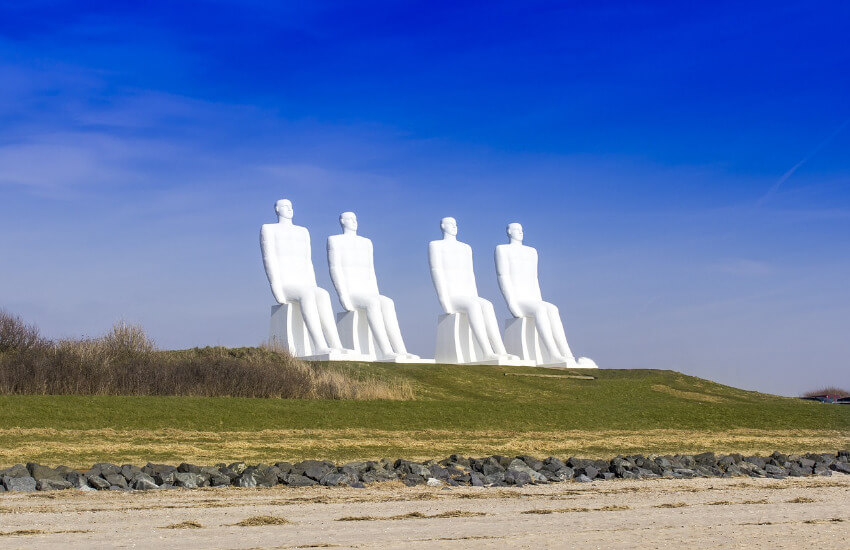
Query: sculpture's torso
{"x":290,"y":252}
{"x":522,"y":271}
{"x":457,"y":271}
{"x":353,"y":257}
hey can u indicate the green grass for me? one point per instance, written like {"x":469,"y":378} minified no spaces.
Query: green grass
{"x":473,"y":409}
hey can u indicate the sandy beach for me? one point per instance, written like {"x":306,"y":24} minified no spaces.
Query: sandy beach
{"x":708,"y":513}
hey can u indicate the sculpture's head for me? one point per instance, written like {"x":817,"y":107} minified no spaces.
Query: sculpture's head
{"x":348,"y":221}
{"x":515,"y":231}
{"x":283,"y":207}
{"x":449,"y":226}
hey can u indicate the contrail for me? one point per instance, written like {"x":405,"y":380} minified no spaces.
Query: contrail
{"x":775,"y":187}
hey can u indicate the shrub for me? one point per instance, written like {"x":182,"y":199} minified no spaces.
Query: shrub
{"x":17,"y":335}
{"x":125,"y":362}
{"x":828,"y":390}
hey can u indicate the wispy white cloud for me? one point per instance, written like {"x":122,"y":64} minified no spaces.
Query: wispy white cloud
{"x":787,"y":175}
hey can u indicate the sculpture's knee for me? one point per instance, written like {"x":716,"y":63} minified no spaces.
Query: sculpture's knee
{"x":386,"y":303}
{"x":486,"y":306}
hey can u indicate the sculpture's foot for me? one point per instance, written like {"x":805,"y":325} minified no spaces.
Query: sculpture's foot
{"x":587,"y":363}
{"x":403,"y":358}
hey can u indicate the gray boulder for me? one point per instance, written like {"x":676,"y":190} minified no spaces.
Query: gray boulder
{"x":24,"y":483}
{"x":842,"y":467}
{"x":130,"y":472}
{"x":52,"y":484}
{"x":18,"y":470}
{"x":314,"y":469}
{"x":104,"y":469}
{"x":39,"y":472}
{"x":145,"y":483}
{"x":519,"y":465}
{"x":517,"y":477}
{"x":188,"y":480}
{"x":335,"y":479}
{"x":774,"y":470}
{"x":583,"y":479}
{"x":297,"y":480}
{"x":116,"y":480}
{"x":97,"y":482}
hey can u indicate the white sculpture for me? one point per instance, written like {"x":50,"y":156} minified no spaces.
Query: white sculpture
{"x":289,"y":267}
{"x":469,"y":331}
{"x":369,"y":318}
{"x":535,"y":321}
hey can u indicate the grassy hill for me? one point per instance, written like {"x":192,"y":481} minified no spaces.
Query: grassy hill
{"x":469,"y":409}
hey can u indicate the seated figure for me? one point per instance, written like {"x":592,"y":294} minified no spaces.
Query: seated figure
{"x":289,"y":268}
{"x":352,"y":266}
{"x":516,"y":268}
{"x":454,"y":280}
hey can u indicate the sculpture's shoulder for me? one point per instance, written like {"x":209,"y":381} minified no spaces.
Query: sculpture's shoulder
{"x":363,"y":241}
{"x":333,"y":240}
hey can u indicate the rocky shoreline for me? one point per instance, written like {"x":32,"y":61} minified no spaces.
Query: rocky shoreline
{"x":491,"y":471}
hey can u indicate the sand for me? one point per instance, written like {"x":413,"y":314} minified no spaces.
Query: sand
{"x":705,"y":513}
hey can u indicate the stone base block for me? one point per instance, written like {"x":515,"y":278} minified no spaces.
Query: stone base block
{"x":355,"y":334}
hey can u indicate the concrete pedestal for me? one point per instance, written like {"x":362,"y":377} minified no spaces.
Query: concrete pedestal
{"x":288,"y":331}
{"x":456,"y":344}
{"x":355,"y":334}
{"x":522,"y":340}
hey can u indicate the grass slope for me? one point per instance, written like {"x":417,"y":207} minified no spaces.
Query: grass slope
{"x":469,"y":409}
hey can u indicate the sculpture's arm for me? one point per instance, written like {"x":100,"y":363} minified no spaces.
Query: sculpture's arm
{"x":503,"y":273}
{"x":437,"y":273}
{"x":308,"y":256}
{"x":372,"y":275}
{"x":338,"y":277}
{"x":267,"y":241}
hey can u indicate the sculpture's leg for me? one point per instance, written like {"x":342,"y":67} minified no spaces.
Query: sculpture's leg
{"x":494,"y":336}
{"x":542,"y":317}
{"x":326,"y":317}
{"x":376,"y":323}
{"x":478,"y":324}
{"x":558,"y":331}
{"x":391,"y":323}
{"x":310,"y":313}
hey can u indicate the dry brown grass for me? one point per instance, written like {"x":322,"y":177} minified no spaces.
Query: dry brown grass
{"x":801,"y":500}
{"x":416,"y":515}
{"x":612,"y":508}
{"x":125,"y":362}
{"x":258,"y":521}
{"x":81,"y":448}
{"x":671,"y":505}
{"x":720,"y":503}
{"x":184,"y":525}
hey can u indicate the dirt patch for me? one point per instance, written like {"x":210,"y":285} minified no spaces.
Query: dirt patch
{"x":690,"y":395}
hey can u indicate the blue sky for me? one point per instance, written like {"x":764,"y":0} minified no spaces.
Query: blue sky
{"x":682,"y":170}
